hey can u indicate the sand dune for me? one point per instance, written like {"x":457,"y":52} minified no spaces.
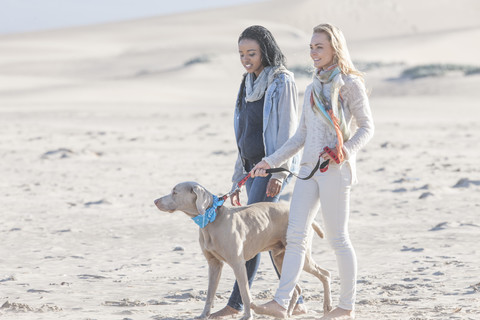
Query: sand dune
{"x":96,"y":122}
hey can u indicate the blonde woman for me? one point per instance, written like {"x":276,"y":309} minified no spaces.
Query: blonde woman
{"x":336,"y":96}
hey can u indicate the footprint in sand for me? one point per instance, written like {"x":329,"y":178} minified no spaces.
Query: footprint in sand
{"x":23,"y":307}
{"x":475,"y":287}
{"x":440,"y":226}
{"x":125,"y":303}
{"x":186,"y":295}
{"x":465,"y":183}
{"x":425,"y":195}
{"x":99,"y":202}
{"x":64,"y":153}
{"x":424,"y":187}
{"x":410,"y":279}
{"x":134,"y":303}
{"x":223,"y":152}
{"x":60,"y":153}
{"x":90,"y":276}
{"x":37,"y":291}
{"x":405,"y":248}
{"x":11,"y":278}
{"x":444,"y":225}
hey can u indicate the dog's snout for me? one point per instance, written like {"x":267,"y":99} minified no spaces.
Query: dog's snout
{"x":158,"y":203}
{"x":165,"y":203}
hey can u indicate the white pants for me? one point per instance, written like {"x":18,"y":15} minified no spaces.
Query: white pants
{"x":331,"y":191}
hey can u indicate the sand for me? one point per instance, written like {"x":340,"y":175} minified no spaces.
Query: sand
{"x":96,"y":122}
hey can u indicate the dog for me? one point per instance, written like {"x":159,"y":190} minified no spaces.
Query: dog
{"x":237,"y":235}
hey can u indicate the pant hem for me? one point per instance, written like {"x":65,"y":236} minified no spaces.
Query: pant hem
{"x":236,"y":307}
{"x":346,"y":307}
{"x":280,"y":302}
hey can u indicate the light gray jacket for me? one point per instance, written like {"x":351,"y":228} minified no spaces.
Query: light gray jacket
{"x":280,"y":121}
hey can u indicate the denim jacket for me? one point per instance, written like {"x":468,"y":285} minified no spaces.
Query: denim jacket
{"x":280,"y":121}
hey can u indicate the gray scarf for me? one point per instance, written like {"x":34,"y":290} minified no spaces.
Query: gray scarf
{"x":255,"y":89}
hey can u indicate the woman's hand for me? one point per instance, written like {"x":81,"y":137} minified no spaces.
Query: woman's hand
{"x":259,"y":169}
{"x":326,"y":156}
{"x":235,"y":198}
{"x":274,"y":186}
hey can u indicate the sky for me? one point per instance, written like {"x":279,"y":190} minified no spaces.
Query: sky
{"x":18,"y":16}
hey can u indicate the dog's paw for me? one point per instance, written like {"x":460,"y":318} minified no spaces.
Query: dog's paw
{"x":327,"y":307}
{"x":201,"y":317}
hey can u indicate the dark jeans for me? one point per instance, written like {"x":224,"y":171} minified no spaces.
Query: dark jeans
{"x":256,"y":192}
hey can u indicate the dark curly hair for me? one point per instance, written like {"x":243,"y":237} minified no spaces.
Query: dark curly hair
{"x":271,"y":53}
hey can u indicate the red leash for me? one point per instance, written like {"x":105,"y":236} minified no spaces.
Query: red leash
{"x":322,"y":167}
{"x":332,"y":154}
{"x":239,"y":186}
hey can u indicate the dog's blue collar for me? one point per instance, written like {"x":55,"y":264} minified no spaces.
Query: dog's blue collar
{"x":210,"y":214}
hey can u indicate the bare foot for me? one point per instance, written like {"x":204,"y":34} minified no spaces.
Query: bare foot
{"x":271,"y":308}
{"x":227,"y":311}
{"x":299,"y":309}
{"x":339,"y":314}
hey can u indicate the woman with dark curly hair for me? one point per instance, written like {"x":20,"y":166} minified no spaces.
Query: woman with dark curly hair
{"x":265,"y":118}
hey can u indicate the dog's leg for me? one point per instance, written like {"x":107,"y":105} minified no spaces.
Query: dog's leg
{"x":242,"y":281}
{"x":324,"y":276}
{"x":293,"y":302}
{"x":214,"y":272}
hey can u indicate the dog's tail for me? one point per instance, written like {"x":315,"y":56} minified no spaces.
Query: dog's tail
{"x":318,"y":229}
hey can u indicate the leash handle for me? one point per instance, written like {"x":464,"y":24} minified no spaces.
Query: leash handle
{"x":332,"y":154}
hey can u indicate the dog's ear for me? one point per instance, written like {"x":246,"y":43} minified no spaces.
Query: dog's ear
{"x":204,"y":199}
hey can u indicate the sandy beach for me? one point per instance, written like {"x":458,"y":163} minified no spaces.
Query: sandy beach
{"x":96,"y":122}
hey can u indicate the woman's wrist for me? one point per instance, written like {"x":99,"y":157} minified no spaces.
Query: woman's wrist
{"x":278,"y":178}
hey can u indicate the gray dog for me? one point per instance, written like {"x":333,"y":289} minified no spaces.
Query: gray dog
{"x":237,"y":235}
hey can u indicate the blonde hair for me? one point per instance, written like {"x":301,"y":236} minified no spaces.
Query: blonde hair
{"x":339,"y":44}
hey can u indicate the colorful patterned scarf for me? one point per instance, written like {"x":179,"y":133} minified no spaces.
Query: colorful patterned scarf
{"x":255,"y":88}
{"x":330,"y":109}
